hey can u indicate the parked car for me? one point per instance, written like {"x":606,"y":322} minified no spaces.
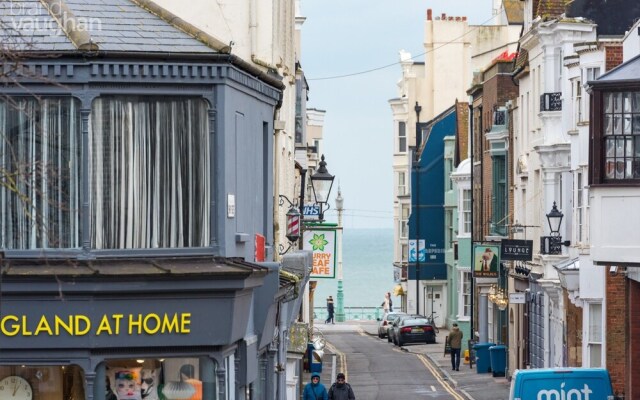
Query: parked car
{"x":391,"y":330}
{"x":385,"y":322}
{"x":414,"y":330}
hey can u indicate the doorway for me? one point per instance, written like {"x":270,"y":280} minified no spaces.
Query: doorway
{"x":434,"y":302}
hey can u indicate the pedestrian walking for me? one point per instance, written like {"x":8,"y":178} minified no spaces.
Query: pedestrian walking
{"x":387,"y":303}
{"x":455,"y":343}
{"x":330,"y":310}
{"x":341,"y":390}
{"x":315,"y":390}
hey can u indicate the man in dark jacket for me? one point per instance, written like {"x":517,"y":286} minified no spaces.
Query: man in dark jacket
{"x":330,"y":310}
{"x":341,"y":390}
{"x":455,"y":342}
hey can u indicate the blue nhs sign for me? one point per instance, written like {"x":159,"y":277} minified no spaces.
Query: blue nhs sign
{"x":311,"y":212}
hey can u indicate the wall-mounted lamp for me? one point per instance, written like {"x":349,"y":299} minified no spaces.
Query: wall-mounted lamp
{"x":553,"y":244}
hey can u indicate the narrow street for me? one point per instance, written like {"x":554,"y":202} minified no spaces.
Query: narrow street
{"x":379,"y":370}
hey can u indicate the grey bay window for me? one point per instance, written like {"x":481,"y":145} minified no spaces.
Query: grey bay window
{"x":40,"y":155}
{"x":149,"y":173}
{"x":148,"y":177}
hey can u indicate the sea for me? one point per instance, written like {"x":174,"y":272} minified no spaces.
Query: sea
{"x":367,"y":265}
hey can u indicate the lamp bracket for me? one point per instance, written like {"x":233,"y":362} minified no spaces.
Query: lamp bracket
{"x":282,"y":199}
{"x":282,"y":251}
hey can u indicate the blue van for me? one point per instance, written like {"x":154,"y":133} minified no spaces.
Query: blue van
{"x":561,"y":384}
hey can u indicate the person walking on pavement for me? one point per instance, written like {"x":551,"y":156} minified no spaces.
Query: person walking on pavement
{"x":315,"y":390}
{"x":386,"y":303}
{"x":341,"y":390}
{"x":330,"y":310}
{"x":455,"y":343}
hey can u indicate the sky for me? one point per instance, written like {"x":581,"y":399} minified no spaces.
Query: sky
{"x":350,"y":37}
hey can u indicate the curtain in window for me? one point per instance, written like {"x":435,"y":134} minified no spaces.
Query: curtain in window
{"x":40,"y":161}
{"x":150,"y":178}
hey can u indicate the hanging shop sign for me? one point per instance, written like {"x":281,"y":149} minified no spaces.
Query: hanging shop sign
{"x":486,"y":260}
{"x":517,"y":298}
{"x":516,"y":250}
{"x":322,"y":242}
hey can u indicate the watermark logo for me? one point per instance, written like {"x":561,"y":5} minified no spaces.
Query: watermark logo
{"x":35,"y":19}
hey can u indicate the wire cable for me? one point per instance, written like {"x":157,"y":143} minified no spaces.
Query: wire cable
{"x":474,"y":27}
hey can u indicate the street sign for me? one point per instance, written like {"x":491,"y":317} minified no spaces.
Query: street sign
{"x":517,"y":298}
{"x":311,"y":212}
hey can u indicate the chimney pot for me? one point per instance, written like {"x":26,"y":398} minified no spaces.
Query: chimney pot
{"x":429,"y":14}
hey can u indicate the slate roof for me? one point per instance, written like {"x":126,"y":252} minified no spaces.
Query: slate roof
{"x":624,"y":73}
{"x":112,"y":25}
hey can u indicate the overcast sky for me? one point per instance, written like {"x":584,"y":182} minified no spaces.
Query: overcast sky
{"x":353,"y":36}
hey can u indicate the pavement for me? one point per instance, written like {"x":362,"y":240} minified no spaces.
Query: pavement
{"x":474,"y":385}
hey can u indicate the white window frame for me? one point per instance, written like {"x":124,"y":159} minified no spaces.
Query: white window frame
{"x":402,"y":137}
{"x":402,"y":183}
{"x":582,"y":207}
{"x":464,"y":298}
{"x":466,"y":211}
{"x":404,"y":220}
{"x":594,"y":340}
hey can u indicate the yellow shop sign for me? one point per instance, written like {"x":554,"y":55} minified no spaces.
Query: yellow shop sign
{"x":106,"y":325}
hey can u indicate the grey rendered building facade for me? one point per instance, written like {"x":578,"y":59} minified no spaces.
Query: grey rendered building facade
{"x":141,"y":161}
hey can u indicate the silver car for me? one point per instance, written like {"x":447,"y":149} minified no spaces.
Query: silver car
{"x":385,"y":322}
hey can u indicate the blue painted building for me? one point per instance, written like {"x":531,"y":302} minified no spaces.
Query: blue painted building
{"x":427,"y":294}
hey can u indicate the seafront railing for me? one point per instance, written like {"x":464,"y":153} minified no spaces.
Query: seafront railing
{"x":351,"y":313}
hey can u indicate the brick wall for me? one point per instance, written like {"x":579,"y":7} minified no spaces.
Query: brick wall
{"x":616,"y":315}
{"x":633,"y":361}
{"x":613,"y":56}
{"x":573,"y":319}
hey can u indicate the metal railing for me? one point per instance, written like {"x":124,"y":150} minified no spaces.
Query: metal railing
{"x":351,"y":313}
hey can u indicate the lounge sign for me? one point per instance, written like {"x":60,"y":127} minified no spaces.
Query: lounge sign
{"x":516,"y":250}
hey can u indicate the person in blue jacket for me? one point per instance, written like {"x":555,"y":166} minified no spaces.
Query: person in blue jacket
{"x":315,"y":390}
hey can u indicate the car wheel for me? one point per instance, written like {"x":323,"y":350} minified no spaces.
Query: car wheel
{"x":388,"y":338}
{"x":400,"y":343}
{"x":380,"y":336}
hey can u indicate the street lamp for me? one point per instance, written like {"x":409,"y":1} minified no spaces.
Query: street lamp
{"x":321,"y":183}
{"x":552,"y":244}
{"x":340,"y":317}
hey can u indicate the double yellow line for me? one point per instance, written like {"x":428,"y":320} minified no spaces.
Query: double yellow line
{"x":342,"y":360}
{"x":447,"y":387}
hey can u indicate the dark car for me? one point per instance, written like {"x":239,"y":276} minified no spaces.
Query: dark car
{"x":391,"y":330}
{"x":414,"y":330}
{"x":385,"y":322}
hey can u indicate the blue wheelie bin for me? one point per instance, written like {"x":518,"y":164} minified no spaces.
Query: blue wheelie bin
{"x":483,"y":361}
{"x":498,"y":356}
{"x":315,"y":359}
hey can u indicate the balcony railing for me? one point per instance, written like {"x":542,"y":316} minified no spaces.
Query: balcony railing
{"x":551,"y":101}
{"x":351,"y":313}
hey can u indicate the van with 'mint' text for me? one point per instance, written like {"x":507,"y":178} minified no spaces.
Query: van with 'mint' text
{"x":561,"y":384}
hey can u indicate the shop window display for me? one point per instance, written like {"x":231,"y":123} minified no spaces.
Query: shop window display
{"x":42,"y":382}
{"x":165,"y":379}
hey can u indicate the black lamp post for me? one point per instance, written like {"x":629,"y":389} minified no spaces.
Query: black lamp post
{"x":321,"y":183}
{"x":553,"y":244}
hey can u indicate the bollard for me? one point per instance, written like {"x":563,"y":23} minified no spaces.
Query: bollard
{"x":333,"y":367}
{"x":466,"y":357}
